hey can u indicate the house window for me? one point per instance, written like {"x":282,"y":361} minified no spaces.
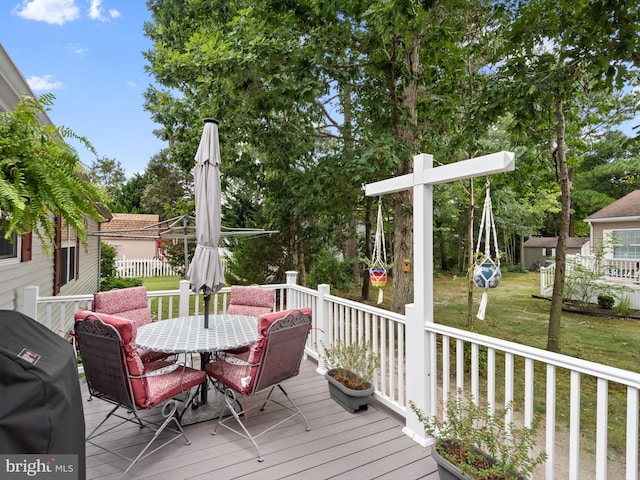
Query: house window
{"x":549,"y":252}
{"x":68,"y":254}
{"x":626,"y":244}
{"x":9,"y":248}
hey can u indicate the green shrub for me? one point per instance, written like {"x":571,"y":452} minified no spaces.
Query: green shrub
{"x":108,"y":255}
{"x":117,"y":282}
{"x":328,"y":269}
{"x":624,"y":306}
{"x":606,"y":301}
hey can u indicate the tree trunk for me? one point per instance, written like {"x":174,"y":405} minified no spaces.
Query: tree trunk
{"x":470,"y":237}
{"x":367,"y":249}
{"x":406,"y":130}
{"x":298,"y":253}
{"x":403,"y":248}
{"x":555,"y":316}
{"x":350,"y":249}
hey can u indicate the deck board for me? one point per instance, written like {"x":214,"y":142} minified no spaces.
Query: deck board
{"x":340,"y":445}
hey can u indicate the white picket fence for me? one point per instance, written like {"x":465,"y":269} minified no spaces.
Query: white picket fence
{"x":144,"y":267}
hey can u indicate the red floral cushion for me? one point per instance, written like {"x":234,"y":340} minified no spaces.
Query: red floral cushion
{"x":173,"y":383}
{"x":264,"y":298}
{"x":248,"y":310}
{"x":130,"y":303}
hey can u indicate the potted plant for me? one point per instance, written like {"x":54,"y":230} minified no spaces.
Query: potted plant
{"x":475,"y":444}
{"x":350,"y":375}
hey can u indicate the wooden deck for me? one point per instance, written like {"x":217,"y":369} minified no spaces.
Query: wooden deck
{"x":366,"y":445}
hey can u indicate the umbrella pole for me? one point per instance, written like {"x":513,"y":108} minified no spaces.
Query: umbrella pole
{"x":207,"y":298}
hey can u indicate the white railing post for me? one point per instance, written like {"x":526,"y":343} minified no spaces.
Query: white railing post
{"x":185,"y":293}
{"x":292,"y":279}
{"x":30,"y":302}
{"x":418,"y":375}
{"x":324,"y":325}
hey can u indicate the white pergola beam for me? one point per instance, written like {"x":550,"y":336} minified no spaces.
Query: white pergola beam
{"x":475,"y":167}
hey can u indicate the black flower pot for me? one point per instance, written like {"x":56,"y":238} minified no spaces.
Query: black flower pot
{"x":351,"y":400}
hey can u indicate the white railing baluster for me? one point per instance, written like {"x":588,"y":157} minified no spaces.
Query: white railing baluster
{"x":550,"y":442}
{"x":491,"y":379}
{"x":459,"y":365}
{"x":574,"y":427}
{"x":528,"y":391}
{"x":632,"y":433}
{"x":474,"y":372}
{"x":446,"y":366}
{"x":508,"y":385}
{"x":602,"y":422}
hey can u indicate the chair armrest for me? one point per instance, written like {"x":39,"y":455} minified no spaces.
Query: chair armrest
{"x":160,"y":371}
{"x":238,"y":361}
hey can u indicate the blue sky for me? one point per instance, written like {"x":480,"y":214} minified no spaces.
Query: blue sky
{"x":88,"y":53}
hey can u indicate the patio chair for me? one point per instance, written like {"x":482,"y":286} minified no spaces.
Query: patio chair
{"x":130,"y":303}
{"x":274,"y":358}
{"x":252,"y":301}
{"x":115,"y":374}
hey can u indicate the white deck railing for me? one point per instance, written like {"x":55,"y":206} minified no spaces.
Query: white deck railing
{"x":487,"y":368}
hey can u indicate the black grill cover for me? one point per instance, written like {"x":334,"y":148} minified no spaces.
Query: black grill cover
{"x":40,"y":400}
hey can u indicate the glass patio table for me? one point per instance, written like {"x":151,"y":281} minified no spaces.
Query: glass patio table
{"x":188,"y":335}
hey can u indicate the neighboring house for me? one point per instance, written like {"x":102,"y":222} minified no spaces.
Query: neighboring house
{"x":134,"y":235}
{"x":71,"y":267}
{"x":539,"y":250}
{"x":616,"y":228}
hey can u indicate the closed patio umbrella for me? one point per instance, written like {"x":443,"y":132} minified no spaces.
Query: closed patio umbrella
{"x":205,"y":271}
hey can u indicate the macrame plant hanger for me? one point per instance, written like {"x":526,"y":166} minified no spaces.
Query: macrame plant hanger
{"x":486,"y":270}
{"x":378,"y":270}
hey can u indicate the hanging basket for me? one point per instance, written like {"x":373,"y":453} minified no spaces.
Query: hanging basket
{"x":378,"y":276}
{"x":487,"y":275}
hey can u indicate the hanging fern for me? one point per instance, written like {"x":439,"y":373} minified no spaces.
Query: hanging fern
{"x":41,"y":175}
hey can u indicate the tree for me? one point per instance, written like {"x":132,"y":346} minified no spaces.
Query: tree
{"x":127,"y":198}
{"x":554,"y":53}
{"x":109,"y":173}
{"x":308,"y":90}
{"x":41,"y":175}
{"x":167,"y":185}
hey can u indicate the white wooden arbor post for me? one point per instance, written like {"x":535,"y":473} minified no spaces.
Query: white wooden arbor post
{"x":418,"y":347}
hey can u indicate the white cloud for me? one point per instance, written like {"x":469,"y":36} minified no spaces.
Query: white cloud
{"x":96,"y":12}
{"x":131,"y":84}
{"x":77,"y":48}
{"x":50,"y":11}
{"x":44,"y":83}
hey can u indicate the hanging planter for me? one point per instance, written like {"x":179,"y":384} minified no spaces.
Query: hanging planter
{"x":378,"y":276}
{"x":378,"y":263}
{"x":486,"y":270}
{"x":487,"y":275}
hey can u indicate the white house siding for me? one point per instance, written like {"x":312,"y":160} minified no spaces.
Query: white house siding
{"x":15,"y":276}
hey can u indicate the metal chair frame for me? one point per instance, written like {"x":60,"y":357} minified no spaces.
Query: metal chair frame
{"x":287,"y":333}
{"x":109,"y":379}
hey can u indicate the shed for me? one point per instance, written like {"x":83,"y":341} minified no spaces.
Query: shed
{"x":539,"y":250}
